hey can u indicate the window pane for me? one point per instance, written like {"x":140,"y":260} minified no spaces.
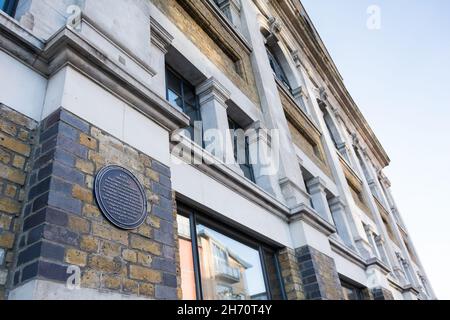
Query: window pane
{"x":174,"y":94}
{"x":186,"y":259}
{"x":273,"y":276}
{"x":230,"y":270}
{"x":2,"y":4}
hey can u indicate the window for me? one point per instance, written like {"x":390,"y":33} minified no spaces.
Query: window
{"x":351,"y":292}
{"x":277,"y":69}
{"x":181,"y":95}
{"x":217,"y":264}
{"x":9,"y":6}
{"x":245,"y":164}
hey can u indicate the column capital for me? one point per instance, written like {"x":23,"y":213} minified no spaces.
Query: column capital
{"x":337,"y":203}
{"x":211,"y":89}
{"x":316,"y":185}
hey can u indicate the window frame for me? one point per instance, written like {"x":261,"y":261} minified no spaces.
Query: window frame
{"x":9,"y":7}
{"x":358,"y":290}
{"x":184,"y":83}
{"x":274,"y":65}
{"x":196,"y":217}
{"x":233,"y":125}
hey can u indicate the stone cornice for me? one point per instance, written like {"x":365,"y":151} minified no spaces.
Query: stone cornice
{"x":347,"y":253}
{"x":310,"y":216}
{"x":296,"y":20}
{"x":160,"y":37}
{"x":69,"y":48}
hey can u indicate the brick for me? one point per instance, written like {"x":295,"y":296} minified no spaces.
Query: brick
{"x":85,"y":166}
{"x":162,"y":213}
{"x":30,"y":271}
{"x":161,"y":190}
{"x":138,"y":242}
{"x":108,"y":233}
{"x":5,"y":157}
{"x":111,"y":282}
{"x":144,"y":259}
{"x":6,"y":239}
{"x":74,"y":121}
{"x":164,"y":237}
{"x":110,"y":249}
{"x":23,"y":135}
{"x":104,"y":264}
{"x":170,"y":280}
{"x":164,"y":265}
{"x":63,"y":202}
{"x":16,"y":117}
{"x":7,"y":127}
{"x":160,"y":168}
{"x":68,"y":174}
{"x":89,"y":244}
{"x":12,"y":174}
{"x":88,"y":141}
{"x":14,"y":145}
{"x":129,"y":255}
{"x":153,"y":175}
{"x":145,"y":230}
{"x":165,"y":293}
{"x":130,"y":286}
{"x":146,"y":289}
{"x":90,"y":279}
{"x":5,"y":222}
{"x":145,"y":274}
{"x":78,"y":225}
{"x":10,"y":191}
{"x":91,"y":211}
{"x":76,"y":257}
{"x":82,"y":194}
{"x":53,"y":271}
{"x":61,"y":235}
{"x":19,"y":162}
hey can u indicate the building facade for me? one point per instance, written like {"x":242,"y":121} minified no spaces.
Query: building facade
{"x":152,"y":86}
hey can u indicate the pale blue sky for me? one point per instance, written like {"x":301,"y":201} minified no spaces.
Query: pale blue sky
{"x":399,"y":77}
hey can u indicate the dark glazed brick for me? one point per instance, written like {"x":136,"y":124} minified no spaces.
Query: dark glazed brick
{"x":164,"y":265}
{"x":162,"y":213}
{"x":162,"y":191}
{"x":160,"y":168}
{"x":36,"y":234}
{"x":30,"y":271}
{"x":41,"y":188}
{"x":52,"y":251}
{"x":61,"y":235}
{"x":72,"y":147}
{"x":165,"y":181}
{"x":29,"y":254}
{"x":68,"y":174}
{"x":63,"y":202}
{"x":65,"y":157}
{"x":166,"y":204}
{"x":74,"y":121}
{"x":164,"y":238}
{"x":40,"y":202}
{"x":17,"y":278}
{"x":165,"y":293}
{"x":168,"y":252}
{"x":170,"y":280}
{"x":34,"y":220}
{"x":56,"y":217}
{"x":53,"y":271}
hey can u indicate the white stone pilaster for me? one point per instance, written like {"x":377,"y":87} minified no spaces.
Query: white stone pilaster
{"x":317,"y":191}
{"x":212,"y":100}
{"x":289,"y":173}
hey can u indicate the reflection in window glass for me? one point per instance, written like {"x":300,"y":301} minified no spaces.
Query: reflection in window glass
{"x":351,"y":292}
{"x":186,"y":259}
{"x":229,"y":269}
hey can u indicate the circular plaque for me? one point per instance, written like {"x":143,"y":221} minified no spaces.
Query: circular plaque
{"x":120,"y":197}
